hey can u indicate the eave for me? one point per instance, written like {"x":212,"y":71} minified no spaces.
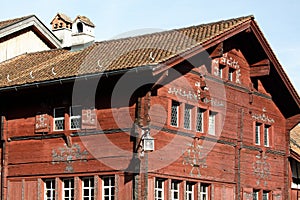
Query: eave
{"x":37,"y":26}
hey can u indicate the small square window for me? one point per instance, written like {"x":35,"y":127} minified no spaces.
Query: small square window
{"x":175,"y":190}
{"x":159,"y":189}
{"x":189,"y":192}
{"x":108,"y":188}
{"x":88,"y":188}
{"x":50,"y":192}
{"x":59,"y":119}
{"x":204,"y":191}
{"x":75,"y":117}
{"x":255,"y":194}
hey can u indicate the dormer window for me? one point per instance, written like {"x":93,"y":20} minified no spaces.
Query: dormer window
{"x":79,"y":27}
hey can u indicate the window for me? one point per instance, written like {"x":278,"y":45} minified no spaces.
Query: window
{"x":88,"y":188}
{"x":159,"y":189}
{"x":174,"y":113}
{"x":189,"y":191}
{"x":79,"y":27}
{"x":174,"y":190}
{"x":257,"y":133}
{"x":75,"y":117}
{"x":187,"y":116}
{"x":255,"y":194}
{"x":295,"y":167}
{"x":199,"y":122}
{"x":265,"y":195}
{"x":68,"y":189}
{"x":204,"y":192}
{"x":266,"y":135}
{"x":49,"y":189}
{"x":212,"y":123}
{"x":230,"y":74}
{"x":59,"y":119}
{"x":109,"y":188}
{"x":220,"y":71}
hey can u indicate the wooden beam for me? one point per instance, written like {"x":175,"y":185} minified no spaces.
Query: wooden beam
{"x":218,"y":51}
{"x":261,"y":68}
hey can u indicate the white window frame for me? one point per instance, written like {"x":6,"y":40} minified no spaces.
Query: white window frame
{"x":200,"y":119}
{"x":90,"y":188}
{"x":189,"y":192}
{"x":257,"y":133}
{"x":58,"y":119}
{"x":51,"y":190}
{"x":220,"y":71}
{"x":266,"y":195}
{"x":255,"y":194}
{"x":187,"y":123}
{"x":230,"y":74}
{"x":74,"y":117}
{"x":110,"y":187}
{"x":175,"y":190}
{"x":174,"y":105}
{"x":212,"y":123}
{"x":267,"y":135}
{"x":70,"y":189}
{"x":158,"y":189}
{"x":204,"y":191}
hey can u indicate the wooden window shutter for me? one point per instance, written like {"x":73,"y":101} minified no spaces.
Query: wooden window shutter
{"x":248,"y":193}
{"x":89,"y":119}
{"x":41,"y":123}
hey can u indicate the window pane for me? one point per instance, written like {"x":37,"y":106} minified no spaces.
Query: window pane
{"x":212,"y":123}
{"x":266,"y":136}
{"x":257,"y":133}
{"x":174,"y":113}
{"x":187,"y":116}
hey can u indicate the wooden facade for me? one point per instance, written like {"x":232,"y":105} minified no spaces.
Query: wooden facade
{"x":219,"y":123}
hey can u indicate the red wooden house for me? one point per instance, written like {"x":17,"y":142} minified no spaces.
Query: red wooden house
{"x":80,"y":124}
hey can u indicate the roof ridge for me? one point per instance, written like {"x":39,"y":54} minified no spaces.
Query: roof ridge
{"x":176,"y":29}
{"x":9,"y":22}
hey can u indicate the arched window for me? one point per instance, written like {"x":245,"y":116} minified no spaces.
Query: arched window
{"x":79,"y":27}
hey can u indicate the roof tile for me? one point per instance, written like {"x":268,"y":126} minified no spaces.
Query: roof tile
{"x":118,"y":54}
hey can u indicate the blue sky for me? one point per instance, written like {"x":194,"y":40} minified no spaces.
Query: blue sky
{"x":278,"y":20}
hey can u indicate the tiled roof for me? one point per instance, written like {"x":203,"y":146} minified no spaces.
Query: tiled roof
{"x":63,"y":17}
{"x":13,"y":21}
{"x":85,"y":20}
{"x":295,"y":139}
{"x":113,"y":55}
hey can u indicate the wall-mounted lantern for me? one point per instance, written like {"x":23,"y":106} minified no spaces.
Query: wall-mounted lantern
{"x":148,"y":141}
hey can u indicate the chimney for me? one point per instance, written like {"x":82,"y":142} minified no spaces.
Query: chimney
{"x":76,"y":34}
{"x":62,"y":28}
{"x":83,"y":32}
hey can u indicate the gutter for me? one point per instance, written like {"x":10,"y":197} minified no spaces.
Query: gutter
{"x":74,"y":78}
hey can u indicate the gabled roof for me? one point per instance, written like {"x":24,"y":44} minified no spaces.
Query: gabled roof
{"x":85,"y":20}
{"x":295,"y":139}
{"x":157,"y":51}
{"x":9,"y":22}
{"x":151,"y":49}
{"x":8,"y":27}
{"x":63,"y":17}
